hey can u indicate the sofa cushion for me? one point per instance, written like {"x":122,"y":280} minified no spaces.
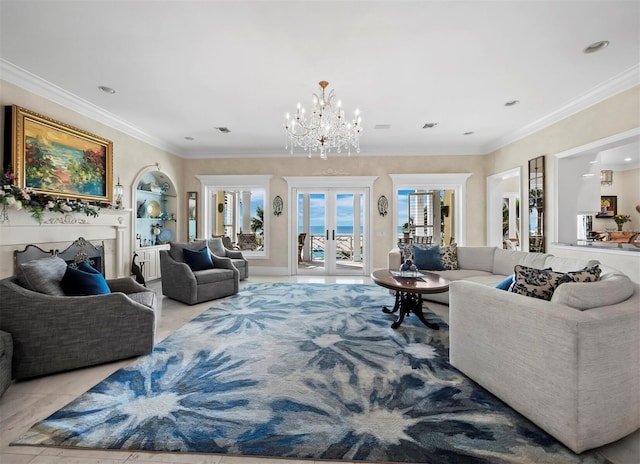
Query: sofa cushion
{"x":449,"y":256}
{"x":504,"y":261}
{"x":465,"y":274}
{"x":76,"y":282}
{"x":537,"y":283}
{"x":610,"y":290}
{"x":210,"y":276}
{"x":427,"y":258}
{"x":560,"y":264}
{"x":43,"y":275}
{"x":477,"y":258}
{"x":198,"y":260}
{"x":490,"y":280}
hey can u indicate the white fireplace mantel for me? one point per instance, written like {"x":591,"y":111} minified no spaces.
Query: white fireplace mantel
{"x":21,"y":229}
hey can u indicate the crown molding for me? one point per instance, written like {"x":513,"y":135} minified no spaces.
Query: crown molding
{"x":608,"y":88}
{"x":35,"y":84}
{"x":31,"y":82}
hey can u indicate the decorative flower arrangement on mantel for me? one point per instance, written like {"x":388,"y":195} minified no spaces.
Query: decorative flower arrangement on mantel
{"x":37,"y":204}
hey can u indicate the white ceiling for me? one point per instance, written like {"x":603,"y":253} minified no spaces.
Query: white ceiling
{"x":182,"y":68}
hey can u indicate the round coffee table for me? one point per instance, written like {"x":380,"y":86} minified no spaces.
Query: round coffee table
{"x":409,"y":292}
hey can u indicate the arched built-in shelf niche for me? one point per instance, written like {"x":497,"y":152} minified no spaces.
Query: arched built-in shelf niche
{"x":154,"y":215}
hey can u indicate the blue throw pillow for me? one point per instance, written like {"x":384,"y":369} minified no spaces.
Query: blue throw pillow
{"x":86,"y":267}
{"x":198,"y":260}
{"x":428,"y":258}
{"x":76,"y":282}
{"x":506,"y":283}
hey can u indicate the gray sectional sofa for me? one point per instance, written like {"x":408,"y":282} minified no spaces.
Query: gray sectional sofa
{"x":571,"y":365}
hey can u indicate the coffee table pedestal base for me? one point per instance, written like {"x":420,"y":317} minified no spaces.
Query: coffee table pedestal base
{"x":407,"y":303}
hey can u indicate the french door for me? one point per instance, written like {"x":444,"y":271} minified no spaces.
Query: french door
{"x":332,"y":231}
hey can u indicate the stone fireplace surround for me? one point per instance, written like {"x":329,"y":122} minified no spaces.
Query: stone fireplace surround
{"x":58,"y":231}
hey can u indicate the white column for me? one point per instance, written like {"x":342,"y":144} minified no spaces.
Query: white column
{"x":513,"y":211}
{"x":120,"y":271}
{"x":306,"y":221}
{"x":246,"y":211}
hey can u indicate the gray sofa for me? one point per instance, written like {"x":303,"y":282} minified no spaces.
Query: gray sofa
{"x":6,"y":356}
{"x":52,"y":332}
{"x":571,"y":365}
{"x":180,"y":283}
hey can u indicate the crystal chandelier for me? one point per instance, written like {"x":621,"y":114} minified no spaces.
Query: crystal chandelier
{"x":326,"y":127}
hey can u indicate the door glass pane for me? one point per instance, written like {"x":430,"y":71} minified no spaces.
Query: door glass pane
{"x":345,"y":227}
{"x":312,"y":223}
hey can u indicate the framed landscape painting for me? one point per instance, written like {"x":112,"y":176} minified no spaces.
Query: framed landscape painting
{"x":57,"y":159}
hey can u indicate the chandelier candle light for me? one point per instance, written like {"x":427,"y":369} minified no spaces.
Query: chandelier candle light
{"x":326,"y":127}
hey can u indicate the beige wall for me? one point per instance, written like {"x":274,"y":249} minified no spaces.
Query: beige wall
{"x":349,"y":166}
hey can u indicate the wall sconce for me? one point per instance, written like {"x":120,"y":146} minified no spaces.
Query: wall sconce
{"x":118,"y":191}
{"x":606,"y":177}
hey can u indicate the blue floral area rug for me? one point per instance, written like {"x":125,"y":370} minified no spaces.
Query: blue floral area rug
{"x":302,"y":371}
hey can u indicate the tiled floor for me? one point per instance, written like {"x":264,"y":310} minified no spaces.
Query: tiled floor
{"x":27,"y":402}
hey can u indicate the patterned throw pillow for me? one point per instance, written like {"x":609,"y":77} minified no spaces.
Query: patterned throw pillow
{"x":406,"y":251}
{"x":537,"y":283}
{"x":449,"y":256}
{"x":588,"y":274}
{"x":541,"y":283}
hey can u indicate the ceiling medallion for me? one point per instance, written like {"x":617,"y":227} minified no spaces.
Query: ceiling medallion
{"x":326,"y":127}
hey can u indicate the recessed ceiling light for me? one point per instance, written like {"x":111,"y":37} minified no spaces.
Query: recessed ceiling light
{"x":189,"y":138}
{"x":627,"y":159}
{"x":468,"y":133}
{"x":106,"y":89}
{"x":430,"y":125}
{"x":593,"y":162}
{"x":587,"y":175}
{"x":596,"y":46}
{"x":512,"y":102}
{"x":224,"y":130}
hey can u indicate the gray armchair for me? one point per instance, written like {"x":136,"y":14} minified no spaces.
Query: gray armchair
{"x":180,"y":283}
{"x":53,"y":333}
{"x":216,"y":246}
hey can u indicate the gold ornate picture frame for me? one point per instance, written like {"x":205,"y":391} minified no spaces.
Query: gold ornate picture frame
{"x":60,"y":160}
